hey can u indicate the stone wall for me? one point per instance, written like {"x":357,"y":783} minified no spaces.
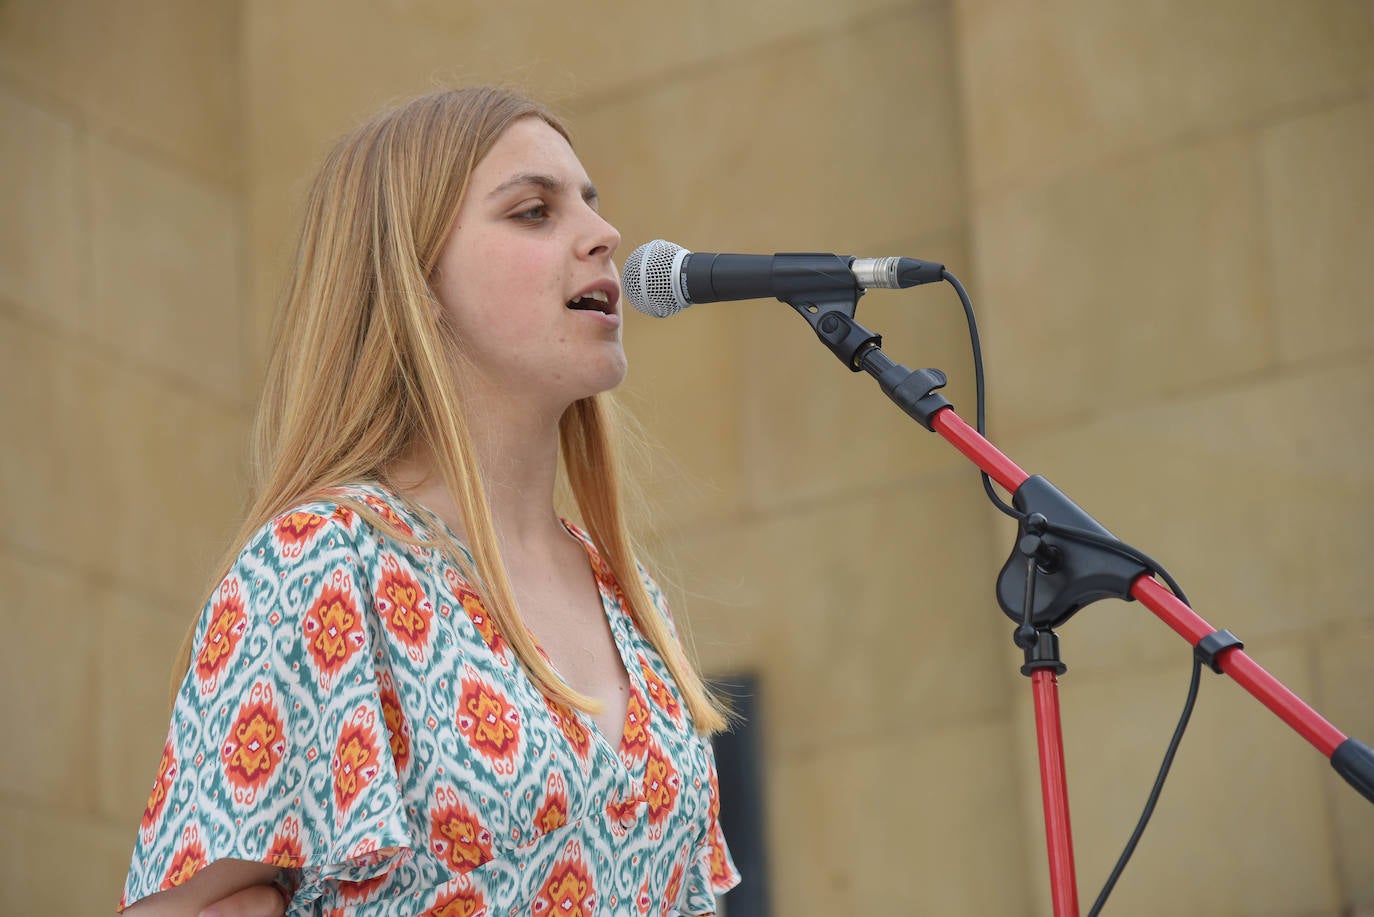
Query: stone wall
{"x":121,"y":354}
{"x":1161,"y":211}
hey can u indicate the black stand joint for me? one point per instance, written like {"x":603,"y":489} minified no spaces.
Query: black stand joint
{"x":1043,"y":654}
{"x":1073,"y":572}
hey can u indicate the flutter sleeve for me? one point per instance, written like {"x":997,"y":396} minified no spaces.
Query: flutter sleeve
{"x":712,"y":872}
{"x":278,"y":750}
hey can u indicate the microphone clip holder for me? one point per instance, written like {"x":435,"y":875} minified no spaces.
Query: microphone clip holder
{"x":831,"y":315}
{"x":832,"y":318}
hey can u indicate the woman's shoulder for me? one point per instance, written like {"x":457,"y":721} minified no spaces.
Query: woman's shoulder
{"x":346,"y":504}
{"x":358,"y":514}
{"x":360,"y":531}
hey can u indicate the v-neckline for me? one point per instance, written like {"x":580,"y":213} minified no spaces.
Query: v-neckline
{"x":609,"y":614}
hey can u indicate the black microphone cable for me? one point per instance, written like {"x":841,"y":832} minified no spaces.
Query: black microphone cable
{"x":1116,"y":546}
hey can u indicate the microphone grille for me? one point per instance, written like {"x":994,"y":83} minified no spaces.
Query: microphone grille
{"x":648,"y":281}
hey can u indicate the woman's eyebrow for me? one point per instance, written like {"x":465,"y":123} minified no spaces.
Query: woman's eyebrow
{"x":543,"y":182}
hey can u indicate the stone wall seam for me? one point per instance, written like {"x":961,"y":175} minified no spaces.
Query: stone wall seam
{"x":100,"y":579}
{"x":685,"y":73}
{"x":129,"y":142}
{"x":1179,"y":140}
{"x":88,"y":348}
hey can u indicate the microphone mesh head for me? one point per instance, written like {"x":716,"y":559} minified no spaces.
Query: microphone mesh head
{"x":648,"y":282}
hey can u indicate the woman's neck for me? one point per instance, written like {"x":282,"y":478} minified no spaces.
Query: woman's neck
{"x":518,"y":457}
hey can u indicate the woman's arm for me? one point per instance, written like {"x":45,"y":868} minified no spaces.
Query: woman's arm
{"x":227,"y":884}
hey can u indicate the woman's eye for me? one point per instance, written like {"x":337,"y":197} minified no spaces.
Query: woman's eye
{"x":533,"y":214}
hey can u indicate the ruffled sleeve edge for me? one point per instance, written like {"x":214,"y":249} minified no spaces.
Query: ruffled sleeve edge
{"x":391,"y":851}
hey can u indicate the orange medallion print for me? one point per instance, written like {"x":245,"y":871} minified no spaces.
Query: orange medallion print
{"x":489,"y":722}
{"x":334,"y":627}
{"x":285,"y":850}
{"x":397,"y":726}
{"x":157,"y":799}
{"x":456,"y":835}
{"x":457,"y":898}
{"x":658,"y":691}
{"x":571,"y":726}
{"x":674,"y":890}
{"x":404,"y":609}
{"x":635,"y":741}
{"x":295,"y":530}
{"x":477,"y":613}
{"x":255,"y":745}
{"x":661,"y":785}
{"x":355,"y":762}
{"x":553,"y":814}
{"x":383,"y":509}
{"x":227,"y":626}
{"x":187,"y":861}
{"x":568,"y":891}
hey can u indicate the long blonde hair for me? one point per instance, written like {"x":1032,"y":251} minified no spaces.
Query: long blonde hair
{"x":361,"y":370}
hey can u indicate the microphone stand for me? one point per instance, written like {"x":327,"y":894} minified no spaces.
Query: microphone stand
{"x":1062,"y":561}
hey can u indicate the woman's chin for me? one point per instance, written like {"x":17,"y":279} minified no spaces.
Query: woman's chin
{"x":610,"y":373}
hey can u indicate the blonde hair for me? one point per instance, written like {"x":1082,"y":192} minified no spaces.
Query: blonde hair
{"x":361,"y":369}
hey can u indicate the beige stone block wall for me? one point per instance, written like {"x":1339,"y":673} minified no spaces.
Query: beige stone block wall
{"x":121,"y":329}
{"x":44,"y":219}
{"x":1318,"y":189}
{"x":909,"y":824}
{"x":127,"y":473}
{"x":1148,"y":278}
{"x":58,"y":863}
{"x":1054,"y":86}
{"x":161,"y":77}
{"x":59,"y":721}
{"x":813,"y":599}
{"x":164,"y":270}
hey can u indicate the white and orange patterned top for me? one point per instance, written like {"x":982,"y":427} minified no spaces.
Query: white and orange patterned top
{"x":351,"y":713}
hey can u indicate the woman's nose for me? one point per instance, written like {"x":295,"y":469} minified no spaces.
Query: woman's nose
{"x":605,"y":238}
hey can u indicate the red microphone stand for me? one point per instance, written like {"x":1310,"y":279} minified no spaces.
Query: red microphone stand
{"x":1351,"y":758}
{"x":1063,"y":561}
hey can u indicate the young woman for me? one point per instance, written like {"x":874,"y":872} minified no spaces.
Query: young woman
{"x":416,"y":688}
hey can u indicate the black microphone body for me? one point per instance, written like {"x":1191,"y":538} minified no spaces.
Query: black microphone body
{"x":661,"y":278}
{"x":710,"y":277}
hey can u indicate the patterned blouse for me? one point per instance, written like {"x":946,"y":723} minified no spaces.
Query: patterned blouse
{"x":352,"y":714}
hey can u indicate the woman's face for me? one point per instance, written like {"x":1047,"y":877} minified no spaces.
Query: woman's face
{"x":527,"y":278}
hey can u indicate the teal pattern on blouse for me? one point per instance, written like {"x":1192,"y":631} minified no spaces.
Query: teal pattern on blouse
{"x":352,"y":715}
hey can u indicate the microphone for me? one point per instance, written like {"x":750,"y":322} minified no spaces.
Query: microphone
{"x":662,"y":279}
